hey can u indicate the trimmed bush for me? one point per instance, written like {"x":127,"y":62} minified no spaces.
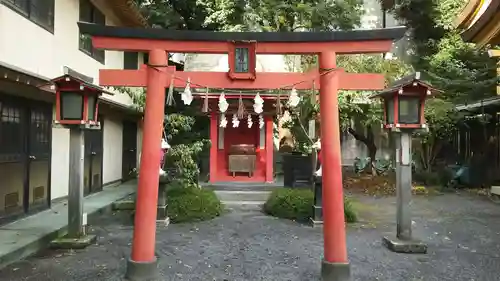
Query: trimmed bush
{"x":292,"y":204}
{"x":296,"y":204}
{"x":192,"y":204}
{"x":349,"y":212}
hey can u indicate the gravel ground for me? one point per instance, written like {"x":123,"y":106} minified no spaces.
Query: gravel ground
{"x":462,"y":233}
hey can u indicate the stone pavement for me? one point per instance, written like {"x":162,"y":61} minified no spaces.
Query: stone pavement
{"x":27,"y":236}
{"x":462,"y":233}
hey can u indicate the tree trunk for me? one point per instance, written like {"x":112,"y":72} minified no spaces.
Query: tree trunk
{"x":369,"y":141}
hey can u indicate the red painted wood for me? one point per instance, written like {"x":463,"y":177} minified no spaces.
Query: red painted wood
{"x":252,"y":58}
{"x":335,"y":249}
{"x":213,"y":148}
{"x":241,"y":135}
{"x":143,"y":246}
{"x":341,"y":47}
{"x":269,"y":126}
{"x":221,"y":80}
{"x":58,"y":105}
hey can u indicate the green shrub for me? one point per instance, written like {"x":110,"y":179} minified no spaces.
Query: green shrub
{"x":191,"y":204}
{"x":288,"y":203}
{"x":349,"y":212}
{"x":296,"y":204}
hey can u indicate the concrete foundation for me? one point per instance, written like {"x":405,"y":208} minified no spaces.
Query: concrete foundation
{"x":335,"y":271}
{"x":73,"y":243}
{"x":404,"y":246}
{"x":124,"y":205}
{"x":142,"y":271}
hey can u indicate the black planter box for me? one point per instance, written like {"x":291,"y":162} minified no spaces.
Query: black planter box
{"x":297,"y":170}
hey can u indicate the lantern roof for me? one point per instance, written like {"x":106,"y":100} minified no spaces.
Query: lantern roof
{"x":413,"y":80}
{"x":81,"y":80}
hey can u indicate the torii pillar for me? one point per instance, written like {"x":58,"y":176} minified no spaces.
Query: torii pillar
{"x":142,"y":262}
{"x":335,"y":265}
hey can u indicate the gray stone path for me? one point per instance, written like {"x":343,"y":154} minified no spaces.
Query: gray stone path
{"x":463,"y":234}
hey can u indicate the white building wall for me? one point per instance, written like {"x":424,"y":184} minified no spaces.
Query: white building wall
{"x":27,"y":46}
{"x":60,"y":163}
{"x":113,"y":150}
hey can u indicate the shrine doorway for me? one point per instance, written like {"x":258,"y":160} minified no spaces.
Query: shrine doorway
{"x":230,"y":139}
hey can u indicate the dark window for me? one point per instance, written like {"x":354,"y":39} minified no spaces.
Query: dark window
{"x":409,"y":109}
{"x":11,"y":132}
{"x":40,"y":12}
{"x":130,"y":60}
{"x":89,"y":13}
{"x":40,"y":129}
{"x":72,"y":103}
{"x":389,"y":110}
{"x":241,"y":60}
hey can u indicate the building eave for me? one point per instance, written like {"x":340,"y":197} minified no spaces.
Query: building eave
{"x":480,"y":30}
{"x":467,"y":14}
{"x":18,"y":75}
{"x":128,"y":12}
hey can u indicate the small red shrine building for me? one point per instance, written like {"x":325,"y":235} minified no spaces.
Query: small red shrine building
{"x":242,"y":148}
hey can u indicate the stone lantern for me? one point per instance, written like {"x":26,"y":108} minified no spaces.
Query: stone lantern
{"x":404,"y":103}
{"x":77,"y":105}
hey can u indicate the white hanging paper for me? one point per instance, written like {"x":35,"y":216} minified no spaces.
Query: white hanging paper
{"x":187,"y":96}
{"x":223,"y":105}
{"x":249,"y":121}
{"x":261,"y":121}
{"x":223,"y":121}
{"x":294,"y":98}
{"x":236,"y":122}
{"x":258,"y":106}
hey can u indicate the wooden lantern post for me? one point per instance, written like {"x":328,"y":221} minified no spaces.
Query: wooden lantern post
{"x":77,"y":106}
{"x":244,"y":46}
{"x":404,"y":104}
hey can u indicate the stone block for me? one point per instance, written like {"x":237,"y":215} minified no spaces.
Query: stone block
{"x":397,"y":245}
{"x":73,"y":243}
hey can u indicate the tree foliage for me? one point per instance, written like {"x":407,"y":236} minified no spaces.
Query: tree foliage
{"x":264,"y":15}
{"x":462,"y":71}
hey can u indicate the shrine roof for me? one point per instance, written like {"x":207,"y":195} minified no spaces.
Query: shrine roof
{"x":479,"y":22}
{"x":393,"y":33}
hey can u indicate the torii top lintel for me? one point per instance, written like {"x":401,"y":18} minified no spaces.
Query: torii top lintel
{"x":180,"y":41}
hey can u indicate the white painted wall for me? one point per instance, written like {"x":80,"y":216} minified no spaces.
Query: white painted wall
{"x":60,"y":163}
{"x":113,"y":149}
{"x":30,"y":47}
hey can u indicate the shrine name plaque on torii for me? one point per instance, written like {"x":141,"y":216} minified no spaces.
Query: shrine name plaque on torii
{"x":157,"y":75}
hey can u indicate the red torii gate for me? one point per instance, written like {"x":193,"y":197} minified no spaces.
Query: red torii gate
{"x":156,"y":76}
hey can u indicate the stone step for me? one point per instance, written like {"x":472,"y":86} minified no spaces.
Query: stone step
{"x":244,"y":205}
{"x":242,"y":195}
